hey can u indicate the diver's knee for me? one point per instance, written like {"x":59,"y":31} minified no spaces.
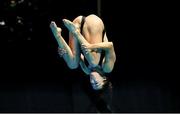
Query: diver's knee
{"x":93,"y":64}
{"x":73,"y":65}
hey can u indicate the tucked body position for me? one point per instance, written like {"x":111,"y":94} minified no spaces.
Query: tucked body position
{"x":87,"y":40}
{"x":88,"y":47}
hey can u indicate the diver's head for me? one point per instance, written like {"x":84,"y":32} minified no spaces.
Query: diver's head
{"x":97,"y":81}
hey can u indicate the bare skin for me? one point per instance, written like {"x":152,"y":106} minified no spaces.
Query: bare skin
{"x":92,"y":43}
{"x":72,"y":56}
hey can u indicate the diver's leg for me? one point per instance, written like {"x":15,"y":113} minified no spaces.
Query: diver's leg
{"x":110,"y":56}
{"x":70,"y":56}
{"x":73,"y":29}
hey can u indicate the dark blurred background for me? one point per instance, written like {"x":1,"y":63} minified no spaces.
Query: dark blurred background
{"x":35,"y":79}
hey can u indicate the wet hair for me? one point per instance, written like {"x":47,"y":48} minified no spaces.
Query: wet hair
{"x":99,"y":70}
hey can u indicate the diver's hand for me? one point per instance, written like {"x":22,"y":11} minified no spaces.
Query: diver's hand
{"x":86,"y":48}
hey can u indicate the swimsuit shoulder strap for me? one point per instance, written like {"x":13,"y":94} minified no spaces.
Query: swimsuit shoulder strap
{"x":104,"y":31}
{"x":82,"y":23}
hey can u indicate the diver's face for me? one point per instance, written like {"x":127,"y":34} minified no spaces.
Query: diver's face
{"x":97,"y":81}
